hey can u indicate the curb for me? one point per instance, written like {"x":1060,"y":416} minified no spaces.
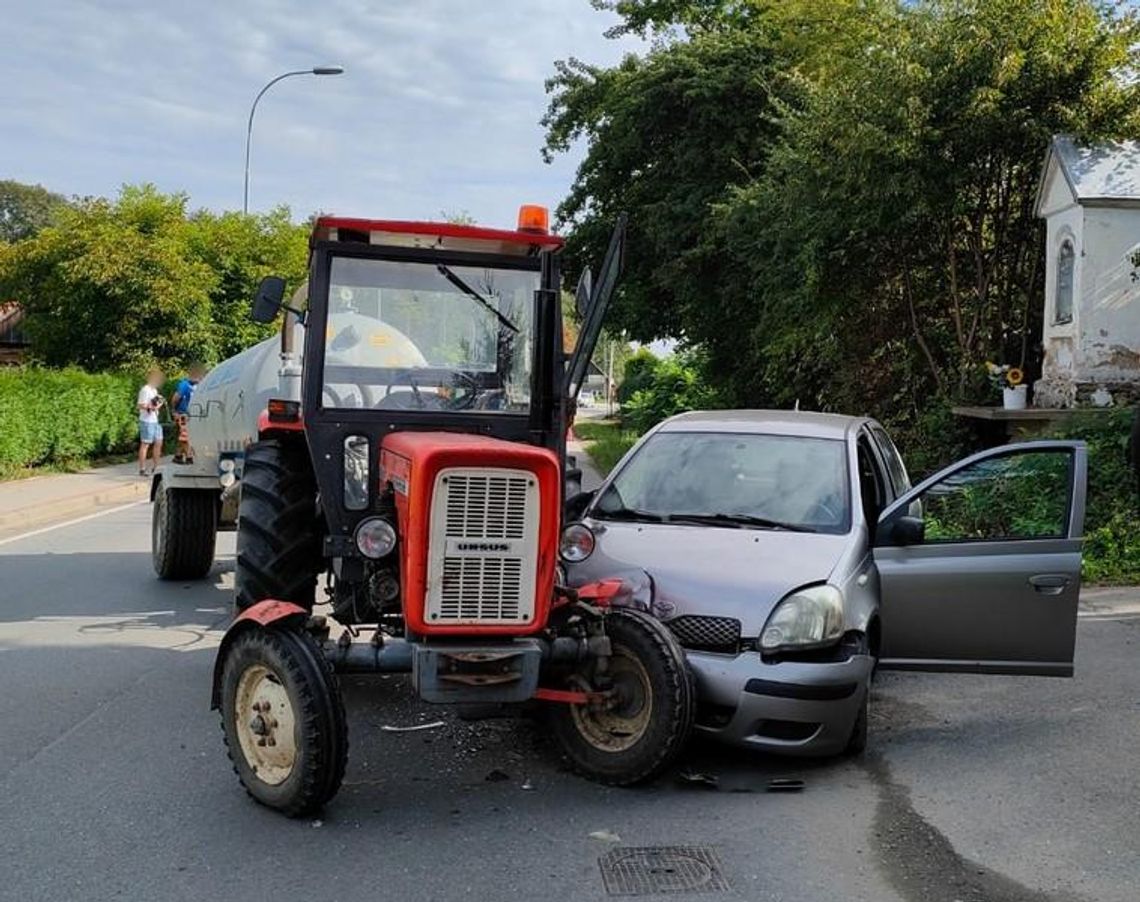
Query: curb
{"x":75,"y":505}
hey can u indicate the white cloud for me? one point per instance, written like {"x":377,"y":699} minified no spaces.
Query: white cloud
{"x":438,"y":110}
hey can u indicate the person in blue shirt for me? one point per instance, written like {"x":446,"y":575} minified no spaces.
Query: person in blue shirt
{"x":180,"y":408}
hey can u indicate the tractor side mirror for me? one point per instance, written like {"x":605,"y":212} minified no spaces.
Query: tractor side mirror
{"x":576,"y":505}
{"x":582,"y":293}
{"x":268,"y":300}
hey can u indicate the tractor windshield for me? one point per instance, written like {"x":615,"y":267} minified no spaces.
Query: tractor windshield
{"x":425,"y":336}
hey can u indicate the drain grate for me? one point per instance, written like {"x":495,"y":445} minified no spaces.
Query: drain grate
{"x":662,"y":869}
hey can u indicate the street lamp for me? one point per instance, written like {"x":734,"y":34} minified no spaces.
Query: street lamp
{"x":316,"y":70}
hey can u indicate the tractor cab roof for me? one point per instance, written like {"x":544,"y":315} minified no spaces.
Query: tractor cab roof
{"x":529,"y":239}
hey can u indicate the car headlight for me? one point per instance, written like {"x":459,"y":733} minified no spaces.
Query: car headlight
{"x":806,"y":618}
{"x":577,"y":543}
{"x":375,"y":537}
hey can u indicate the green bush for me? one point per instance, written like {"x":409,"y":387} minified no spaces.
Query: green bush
{"x":59,"y":416}
{"x":677,"y":384}
{"x":1112,"y":510}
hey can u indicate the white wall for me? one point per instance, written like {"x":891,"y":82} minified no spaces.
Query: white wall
{"x":1108,"y":341}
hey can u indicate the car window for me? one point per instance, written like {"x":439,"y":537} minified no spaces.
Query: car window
{"x":1022,"y":495}
{"x":793,"y":480}
{"x":872,"y":488}
{"x":896,"y":470}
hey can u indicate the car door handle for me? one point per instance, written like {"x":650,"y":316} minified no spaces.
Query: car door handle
{"x":1049,"y":583}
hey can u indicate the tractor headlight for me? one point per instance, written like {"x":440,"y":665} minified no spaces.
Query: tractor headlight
{"x":577,"y":543}
{"x":806,"y":618}
{"x":375,"y":537}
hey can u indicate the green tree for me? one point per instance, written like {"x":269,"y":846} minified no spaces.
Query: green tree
{"x":666,"y":135}
{"x":112,"y":285}
{"x":123,"y":283}
{"x":25,"y":209}
{"x":240,"y":251}
{"x":895,"y":220}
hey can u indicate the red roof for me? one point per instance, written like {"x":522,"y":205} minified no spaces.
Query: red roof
{"x":438,"y":234}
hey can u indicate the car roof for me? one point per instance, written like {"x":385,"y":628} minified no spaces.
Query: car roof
{"x":773,"y":422}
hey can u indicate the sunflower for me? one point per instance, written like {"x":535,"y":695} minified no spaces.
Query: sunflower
{"x":1014,"y":377}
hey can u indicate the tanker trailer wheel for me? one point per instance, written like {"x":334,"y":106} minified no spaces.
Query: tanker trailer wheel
{"x":283,"y":720}
{"x":644,"y":728}
{"x":278,"y":534}
{"x":183,"y":529}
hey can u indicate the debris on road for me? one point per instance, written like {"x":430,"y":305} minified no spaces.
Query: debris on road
{"x":390,"y":728}
{"x":605,"y":836}
{"x":785,"y":784}
{"x":694,"y":778}
{"x":497,"y":776}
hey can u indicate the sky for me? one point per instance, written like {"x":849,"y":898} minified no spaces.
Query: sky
{"x":437,"y":113}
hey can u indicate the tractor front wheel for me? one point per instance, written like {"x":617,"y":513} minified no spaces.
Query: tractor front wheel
{"x":283,"y":720}
{"x":645,"y":725}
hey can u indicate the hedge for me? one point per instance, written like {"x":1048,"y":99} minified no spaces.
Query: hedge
{"x":56,"y":416}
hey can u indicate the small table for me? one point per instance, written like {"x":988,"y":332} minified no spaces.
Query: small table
{"x":1028,"y":422}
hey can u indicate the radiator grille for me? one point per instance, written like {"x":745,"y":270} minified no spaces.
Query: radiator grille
{"x":707,"y":633}
{"x":483,"y":550}
{"x":485,"y":506}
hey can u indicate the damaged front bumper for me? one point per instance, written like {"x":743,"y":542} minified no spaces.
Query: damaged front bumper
{"x":789,"y":707}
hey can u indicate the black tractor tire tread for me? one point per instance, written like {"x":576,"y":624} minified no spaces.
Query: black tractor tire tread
{"x":319,"y":710}
{"x":278,"y":541}
{"x":666,"y":738}
{"x":190,"y":527}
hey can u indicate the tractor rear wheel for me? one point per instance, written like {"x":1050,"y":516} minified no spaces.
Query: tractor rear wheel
{"x":184,"y":528}
{"x":283,"y":720}
{"x":278,"y":535}
{"x":644,"y":729}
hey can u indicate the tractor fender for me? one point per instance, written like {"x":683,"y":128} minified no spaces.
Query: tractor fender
{"x":268,"y":614}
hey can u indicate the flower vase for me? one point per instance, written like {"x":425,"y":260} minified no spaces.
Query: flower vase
{"x":1014,"y":398}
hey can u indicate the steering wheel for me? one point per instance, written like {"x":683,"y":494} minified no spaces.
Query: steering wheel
{"x":830,"y":514}
{"x":399,"y":378}
{"x":471,"y":388}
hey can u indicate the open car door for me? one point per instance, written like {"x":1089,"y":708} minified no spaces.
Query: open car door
{"x":601,"y":292}
{"x":983,"y":573}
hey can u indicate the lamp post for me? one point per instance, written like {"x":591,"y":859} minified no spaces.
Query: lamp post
{"x":316,"y":70}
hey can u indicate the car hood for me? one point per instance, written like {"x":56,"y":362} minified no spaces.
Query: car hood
{"x":740,"y":573}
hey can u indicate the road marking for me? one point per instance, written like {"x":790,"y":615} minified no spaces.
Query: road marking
{"x":54,"y":526}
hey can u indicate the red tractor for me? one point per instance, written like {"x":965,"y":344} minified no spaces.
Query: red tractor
{"x":410,"y":463}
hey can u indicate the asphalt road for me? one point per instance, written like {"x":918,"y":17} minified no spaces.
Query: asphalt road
{"x":114,"y":783}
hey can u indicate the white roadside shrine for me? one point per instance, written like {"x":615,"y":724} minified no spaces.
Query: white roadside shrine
{"x":1089,"y":198}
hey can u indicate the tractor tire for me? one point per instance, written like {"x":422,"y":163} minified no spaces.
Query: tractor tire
{"x":283,"y":720}
{"x":645,"y":733}
{"x":278,"y":533}
{"x":184,"y":527}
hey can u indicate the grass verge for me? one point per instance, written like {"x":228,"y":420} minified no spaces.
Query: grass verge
{"x":605,"y":440}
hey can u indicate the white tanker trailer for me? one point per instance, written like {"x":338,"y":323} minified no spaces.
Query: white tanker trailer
{"x":223,"y":419}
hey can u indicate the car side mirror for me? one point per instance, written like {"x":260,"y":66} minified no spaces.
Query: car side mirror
{"x":577,"y":504}
{"x":268,"y":299}
{"x":905,"y":530}
{"x":582,"y":293}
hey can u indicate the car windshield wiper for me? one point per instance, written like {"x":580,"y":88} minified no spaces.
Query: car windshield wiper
{"x":740,"y":520}
{"x":629,"y":513}
{"x":472,"y":293}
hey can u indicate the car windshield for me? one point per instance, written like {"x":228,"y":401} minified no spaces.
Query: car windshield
{"x":739,"y":480}
{"x":425,"y":336}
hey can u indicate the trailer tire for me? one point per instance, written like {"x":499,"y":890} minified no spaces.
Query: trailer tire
{"x":184,"y":528}
{"x":653,"y":723}
{"x":303,"y":719}
{"x":278,"y":535}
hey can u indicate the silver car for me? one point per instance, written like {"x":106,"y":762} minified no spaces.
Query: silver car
{"x":790,"y":556}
